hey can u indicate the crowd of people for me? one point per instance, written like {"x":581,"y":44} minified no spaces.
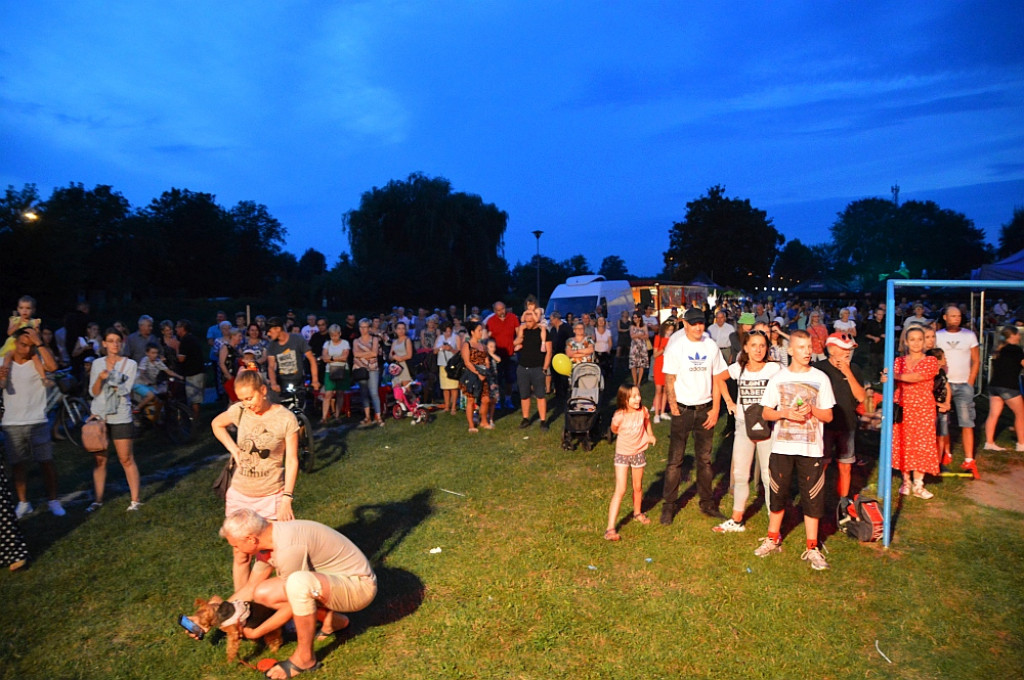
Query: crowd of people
{"x":784,"y":373}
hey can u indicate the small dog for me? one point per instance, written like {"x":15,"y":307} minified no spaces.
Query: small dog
{"x":211,"y":614}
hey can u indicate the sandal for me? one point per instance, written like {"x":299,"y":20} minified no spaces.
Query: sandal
{"x":322,"y":635}
{"x":642,"y":518}
{"x":611,"y":535}
{"x":365,"y":421}
{"x":473,"y":429}
{"x":291,"y":670}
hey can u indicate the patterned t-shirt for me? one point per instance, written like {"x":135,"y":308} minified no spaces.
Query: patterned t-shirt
{"x":261,"y":438}
{"x":789,"y":390}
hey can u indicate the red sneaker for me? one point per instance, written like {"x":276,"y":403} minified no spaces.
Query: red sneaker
{"x":947,"y":458}
{"x":972,"y":467}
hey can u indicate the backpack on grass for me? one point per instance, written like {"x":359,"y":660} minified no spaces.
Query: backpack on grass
{"x":860,"y":518}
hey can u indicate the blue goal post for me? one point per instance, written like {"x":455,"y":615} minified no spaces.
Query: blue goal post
{"x":885,"y":448}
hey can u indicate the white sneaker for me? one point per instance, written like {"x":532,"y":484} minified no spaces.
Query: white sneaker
{"x":134,"y":506}
{"x":56,"y":508}
{"x":816,"y":559}
{"x":657,"y":418}
{"x":666,"y":416}
{"x":767,"y":547}
{"x":729,"y":526}
{"x":1020,"y":448}
{"x":991,"y":446}
{"x":922,"y":492}
{"x":24,"y":508}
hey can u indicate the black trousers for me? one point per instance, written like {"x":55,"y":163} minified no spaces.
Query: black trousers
{"x":689,"y":421}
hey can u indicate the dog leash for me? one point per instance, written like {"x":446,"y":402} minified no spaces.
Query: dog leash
{"x":248,"y":665}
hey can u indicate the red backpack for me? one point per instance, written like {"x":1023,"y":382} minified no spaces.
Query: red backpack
{"x":860,"y":518}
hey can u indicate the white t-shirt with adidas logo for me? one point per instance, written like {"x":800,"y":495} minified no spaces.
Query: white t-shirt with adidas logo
{"x":694,"y":364}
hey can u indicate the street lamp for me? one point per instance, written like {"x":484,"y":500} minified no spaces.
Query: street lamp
{"x":537,"y":233}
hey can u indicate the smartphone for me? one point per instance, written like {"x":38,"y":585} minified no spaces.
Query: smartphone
{"x":191,"y":626}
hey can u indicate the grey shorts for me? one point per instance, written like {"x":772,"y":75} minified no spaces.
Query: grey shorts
{"x":530,"y":377}
{"x":838,"y":446}
{"x":121,"y":431}
{"x":28,"y":442}
{"x":963,"y":404}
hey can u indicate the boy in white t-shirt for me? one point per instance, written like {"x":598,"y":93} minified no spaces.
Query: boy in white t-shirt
{"x":800,"y":398}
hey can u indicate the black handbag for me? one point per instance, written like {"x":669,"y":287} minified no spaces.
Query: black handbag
{"x":223,"y":481}
{"x":360,"y":374}
{"x":221,"y":485}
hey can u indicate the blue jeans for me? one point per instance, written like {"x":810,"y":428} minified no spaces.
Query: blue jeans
{"x":370,"y":390}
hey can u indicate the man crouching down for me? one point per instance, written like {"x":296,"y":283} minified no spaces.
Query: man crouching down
{"x":316,"y":566}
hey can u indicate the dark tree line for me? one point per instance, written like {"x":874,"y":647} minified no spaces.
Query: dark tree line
{"x":83,"y":242}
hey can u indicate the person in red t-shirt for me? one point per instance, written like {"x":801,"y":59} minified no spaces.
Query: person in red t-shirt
{"x":502,"y":327}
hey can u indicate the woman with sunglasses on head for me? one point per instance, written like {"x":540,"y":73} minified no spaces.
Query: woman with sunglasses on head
{"x":751,"y":371}
{"x":266,"y":455}
{"x":111,"y":378}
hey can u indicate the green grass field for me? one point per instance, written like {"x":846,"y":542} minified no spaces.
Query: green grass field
{"x":524,"y":585}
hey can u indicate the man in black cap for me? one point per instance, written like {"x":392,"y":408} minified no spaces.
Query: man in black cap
{"x":695,"y":374}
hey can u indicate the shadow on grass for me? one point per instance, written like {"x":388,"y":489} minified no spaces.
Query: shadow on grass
{"x":378,"y":529}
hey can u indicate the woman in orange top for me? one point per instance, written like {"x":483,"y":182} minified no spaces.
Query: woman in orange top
{"x":660,"y":341}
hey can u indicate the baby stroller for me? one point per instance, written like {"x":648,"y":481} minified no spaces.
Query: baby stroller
{"x":583,"y":408}
{"x":406,"y":402}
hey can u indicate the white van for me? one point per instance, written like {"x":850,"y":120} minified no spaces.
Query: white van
{"x":591,"y":292}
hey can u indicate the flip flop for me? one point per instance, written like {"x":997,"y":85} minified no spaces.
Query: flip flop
{"x":291,"y":669}
{"x":321,"y":635}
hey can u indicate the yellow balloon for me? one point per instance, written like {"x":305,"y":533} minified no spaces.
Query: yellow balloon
{"x":562,"y":364}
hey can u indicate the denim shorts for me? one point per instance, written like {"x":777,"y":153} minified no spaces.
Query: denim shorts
{"x":942,"y":424}
{"x":963,"y":404}
{"x":1004,"y":393}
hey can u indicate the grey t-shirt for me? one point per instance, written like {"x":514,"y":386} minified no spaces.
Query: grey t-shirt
{"x":289,"y":356}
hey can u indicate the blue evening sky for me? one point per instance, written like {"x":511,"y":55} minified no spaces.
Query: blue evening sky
{"x":593,"y":121}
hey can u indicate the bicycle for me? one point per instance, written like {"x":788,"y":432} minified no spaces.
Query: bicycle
{"x":173,"y":415}
{"x":295,"y":399}
{"x":73,"y":411}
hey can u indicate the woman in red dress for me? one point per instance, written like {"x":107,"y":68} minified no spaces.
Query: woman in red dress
{"x":913,"y":440}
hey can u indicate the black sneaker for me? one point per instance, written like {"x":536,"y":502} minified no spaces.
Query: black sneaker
{"x":524,"y":423}
{"x":667,"y":516}
{"x":544,"y":425}
{"x":713,"y":512}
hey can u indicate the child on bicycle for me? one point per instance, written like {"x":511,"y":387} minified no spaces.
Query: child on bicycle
{"x":147,"y":383}
{"x":632,"y":424}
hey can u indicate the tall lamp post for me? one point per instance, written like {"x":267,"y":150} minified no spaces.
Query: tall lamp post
{"x":537,"y":233}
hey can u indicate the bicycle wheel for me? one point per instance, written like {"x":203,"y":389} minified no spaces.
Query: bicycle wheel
{"x":178,"y":423}
{"x":307,"y":446}
{"x":70,"y":419}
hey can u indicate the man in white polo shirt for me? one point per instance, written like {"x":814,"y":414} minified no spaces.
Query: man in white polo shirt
{"x":695,"y":373}
{"x":721,"y":332}
{"x":962,"y":362}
